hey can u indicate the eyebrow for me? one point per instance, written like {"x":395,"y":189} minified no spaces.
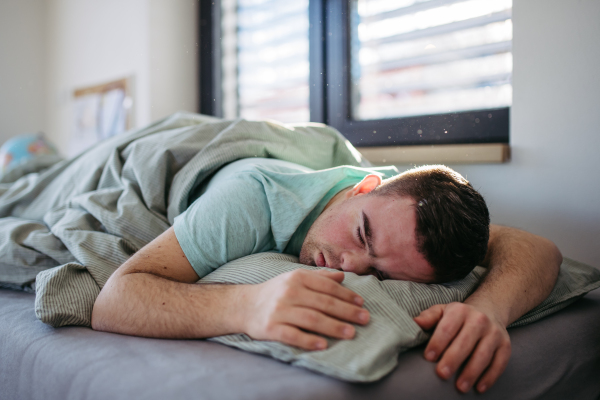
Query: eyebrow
{"x":368,"y":234}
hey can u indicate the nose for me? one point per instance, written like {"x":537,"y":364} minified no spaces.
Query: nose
{"x":353,"y":262}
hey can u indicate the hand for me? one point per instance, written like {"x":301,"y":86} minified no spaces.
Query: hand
{"x":465,"y":331}
{"x":286,"y":307}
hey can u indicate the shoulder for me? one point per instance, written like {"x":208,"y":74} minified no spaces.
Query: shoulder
{"x":264,"y":165}
{"x":253,"y":173}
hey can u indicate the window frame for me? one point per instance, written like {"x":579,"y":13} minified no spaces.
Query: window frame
{"x":210,"y":93}
{"x":329,"y":80}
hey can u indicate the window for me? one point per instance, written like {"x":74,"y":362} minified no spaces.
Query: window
{"x":265,"y":59}
{"x":383,"y":72}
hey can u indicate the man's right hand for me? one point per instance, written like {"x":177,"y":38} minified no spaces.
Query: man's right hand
{"x":289,"y":306}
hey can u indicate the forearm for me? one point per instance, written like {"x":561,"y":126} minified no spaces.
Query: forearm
{"x":153,"y":294}
{"x":143,"y":304}
{"x":522,"y":270}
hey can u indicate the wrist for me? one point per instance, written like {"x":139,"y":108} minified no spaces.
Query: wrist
{"x":493,"y":310}
{"x":241,"y":301}
{"x":226,"y":306}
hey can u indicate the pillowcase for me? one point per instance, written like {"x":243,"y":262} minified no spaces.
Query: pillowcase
{"x":374,"y":351}
{"x":24,"y":154}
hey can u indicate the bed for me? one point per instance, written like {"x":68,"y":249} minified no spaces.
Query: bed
{"x":64,"y":231}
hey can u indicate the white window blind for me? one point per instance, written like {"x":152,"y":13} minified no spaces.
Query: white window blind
{"x":265,"y":59}
{"x":420,"y":57}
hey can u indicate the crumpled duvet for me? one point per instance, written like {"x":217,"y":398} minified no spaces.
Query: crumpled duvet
{"x":67,"y":228}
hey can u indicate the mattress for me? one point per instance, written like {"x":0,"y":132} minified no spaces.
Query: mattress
{"x":555,"y":358}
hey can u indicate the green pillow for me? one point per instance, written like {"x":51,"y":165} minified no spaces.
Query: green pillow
{"x":373,"y":352}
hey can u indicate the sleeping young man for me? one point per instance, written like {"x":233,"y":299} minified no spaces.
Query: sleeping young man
{"x":425,"y":225}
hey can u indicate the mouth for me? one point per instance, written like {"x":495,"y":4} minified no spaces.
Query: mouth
{"x":321,"y":262}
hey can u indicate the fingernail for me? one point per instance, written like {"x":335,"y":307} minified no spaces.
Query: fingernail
{"x":358,"y":301}
{"x":430,"y":355}
{"x":464,"y":386}
{"x":348,"y":331}
{"x":482,"y":388}
{"x":445,"y":372}
{"x":363,"y":316}
{"x":320,"y":345}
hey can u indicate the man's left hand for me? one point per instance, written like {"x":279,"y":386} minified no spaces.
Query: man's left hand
{"x":463,"y":331}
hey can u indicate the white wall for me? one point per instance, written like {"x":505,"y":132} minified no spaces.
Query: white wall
{"x":551,"y":186}
{"x":91,"y":42}
{"x":173,"y":57}
{"x":22,"y":62}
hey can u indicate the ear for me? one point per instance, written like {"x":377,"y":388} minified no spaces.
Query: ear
{"x":365,"y":186}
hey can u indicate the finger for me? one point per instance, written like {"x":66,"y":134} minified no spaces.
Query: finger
{"x":293,"y":336}
{"x":319,"y":323}
{"x":333,"y":307}
{"x":323,"y":284}
{"x":496,"y":369}
{"x":459,"y":350}
{"x":430,"y":317}
{"x":337,"y":276}
{"x":479,"y":361}
{"x":445,"y":331}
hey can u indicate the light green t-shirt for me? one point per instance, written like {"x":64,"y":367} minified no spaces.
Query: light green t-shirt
{"x":256,"y":205}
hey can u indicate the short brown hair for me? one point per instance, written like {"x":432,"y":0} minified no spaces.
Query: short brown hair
{"x":453,"y":221}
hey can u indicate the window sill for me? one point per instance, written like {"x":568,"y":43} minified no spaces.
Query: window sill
{"x":489,"y":153}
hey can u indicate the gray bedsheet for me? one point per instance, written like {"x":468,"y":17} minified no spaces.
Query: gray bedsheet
{"x":555,"y":358}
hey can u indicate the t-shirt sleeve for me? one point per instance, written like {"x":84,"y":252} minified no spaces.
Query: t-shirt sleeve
{"x":231,"y":220}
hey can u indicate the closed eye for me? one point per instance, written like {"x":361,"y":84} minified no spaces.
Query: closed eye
{"x":382,"y":276}
{"x":359,"y":236}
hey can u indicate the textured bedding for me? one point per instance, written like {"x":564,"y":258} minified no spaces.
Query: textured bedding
{"x":374,"y":351}
{"x":68,"y":228}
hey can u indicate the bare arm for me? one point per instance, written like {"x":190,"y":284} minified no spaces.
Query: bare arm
{"x":153,"y":295}
{"x":522,"y":270}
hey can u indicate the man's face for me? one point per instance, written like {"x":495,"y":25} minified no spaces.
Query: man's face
{"x":367,"y":235}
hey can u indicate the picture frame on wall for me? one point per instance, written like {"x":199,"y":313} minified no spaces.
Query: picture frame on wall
{"x":99,"y":112}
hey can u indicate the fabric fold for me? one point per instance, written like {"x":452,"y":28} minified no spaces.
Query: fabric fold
{"x":98,"y":208}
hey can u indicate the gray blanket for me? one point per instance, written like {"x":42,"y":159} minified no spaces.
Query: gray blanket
{"x":72,"y":225}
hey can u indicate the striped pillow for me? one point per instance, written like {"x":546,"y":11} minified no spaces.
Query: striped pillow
{"x":373,"y":352}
